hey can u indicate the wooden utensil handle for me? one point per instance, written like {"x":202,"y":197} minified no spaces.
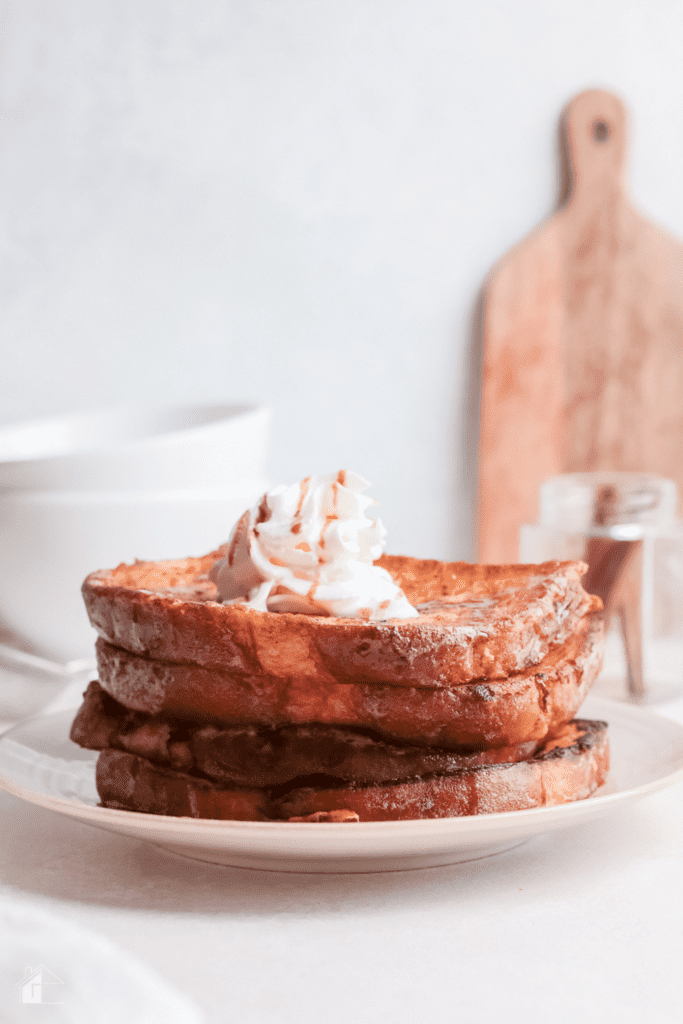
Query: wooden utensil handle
{"x":595,"y":127}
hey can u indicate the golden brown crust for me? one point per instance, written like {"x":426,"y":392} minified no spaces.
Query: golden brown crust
{"x":528,"y":706}
{"x":249,"y":755}
{"x":131,"y":783}
{"x":574,"y":766}
{"x":477,"y":622}
{"x":570,"y":768}
{"x":318,"y":816}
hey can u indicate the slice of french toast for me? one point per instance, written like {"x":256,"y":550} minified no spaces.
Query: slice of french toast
{"x":476,"y":622}
{"x":569,"y":767}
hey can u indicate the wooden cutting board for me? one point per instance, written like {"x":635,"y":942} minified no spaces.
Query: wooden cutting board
{"x":583,"y":339}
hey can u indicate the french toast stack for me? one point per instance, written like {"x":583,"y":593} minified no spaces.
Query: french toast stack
{"x":214,"y":710}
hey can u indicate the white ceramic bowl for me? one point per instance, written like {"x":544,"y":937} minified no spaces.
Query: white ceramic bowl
{"x":49,"y":542}
{"x":178,"y":447}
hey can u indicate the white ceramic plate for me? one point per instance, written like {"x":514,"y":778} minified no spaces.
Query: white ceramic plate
{"x":38,"y":763}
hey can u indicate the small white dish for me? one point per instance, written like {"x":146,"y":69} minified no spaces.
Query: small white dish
{"x":39,"y":764}
{"x":90,"y":490}
{"x":143,"y":448}
{"x":49,"y":543}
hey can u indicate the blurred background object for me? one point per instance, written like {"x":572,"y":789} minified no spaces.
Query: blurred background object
{"x":583,"y":339}
{"x":145,"y":448}
{"x":624,"y":526}
{"x":298,"y":202}
{"x":29,"y":683}
{"x":92,"y":490}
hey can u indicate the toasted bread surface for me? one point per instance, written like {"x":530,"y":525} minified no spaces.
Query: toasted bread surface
{"x":572,"y":766}
{"x":527,"y":706}
{"x":131,"y":783}
{"x":256,"y":756}
{"x":475,"y":622}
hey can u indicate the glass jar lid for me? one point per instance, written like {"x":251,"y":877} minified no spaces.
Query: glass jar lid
{"x":608,"y":502}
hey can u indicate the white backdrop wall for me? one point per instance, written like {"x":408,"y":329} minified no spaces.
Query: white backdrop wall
{"x":297,"y":201}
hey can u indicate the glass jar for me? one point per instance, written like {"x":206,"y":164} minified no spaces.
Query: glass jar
{"x":624,"y":525}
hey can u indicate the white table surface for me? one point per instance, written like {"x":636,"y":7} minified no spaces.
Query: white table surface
{"x":584,"y":926}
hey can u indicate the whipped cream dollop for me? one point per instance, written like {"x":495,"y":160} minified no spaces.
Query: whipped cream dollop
{"x":309,"y":549}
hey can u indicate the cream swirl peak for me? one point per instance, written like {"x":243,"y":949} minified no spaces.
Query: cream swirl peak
{"x":309,"y":548}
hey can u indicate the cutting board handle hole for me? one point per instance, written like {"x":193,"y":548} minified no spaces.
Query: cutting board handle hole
{"x":601,"y":131}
